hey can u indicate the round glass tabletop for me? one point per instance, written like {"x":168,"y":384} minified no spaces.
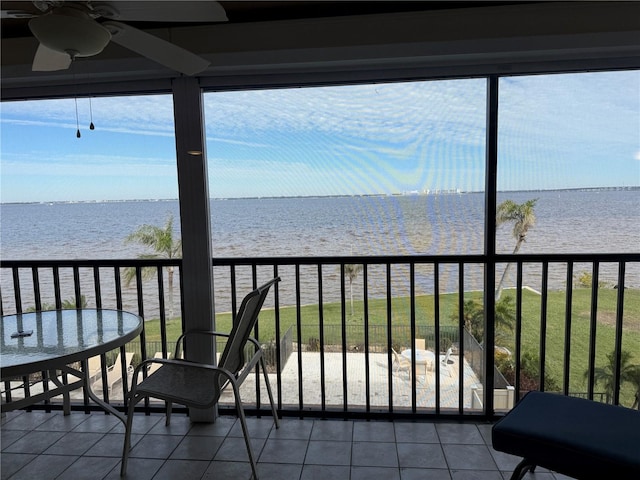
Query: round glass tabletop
{"x":38,"y":341}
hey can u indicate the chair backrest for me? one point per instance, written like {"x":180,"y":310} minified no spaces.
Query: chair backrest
{"x":128,"y":357}
{"x":117,"y":365}
{"x":420,"y":344}
{"x":447,"y":356}
{"x":95,"y":366}
{"x":395,"y":355}
{"x":232,"y":357}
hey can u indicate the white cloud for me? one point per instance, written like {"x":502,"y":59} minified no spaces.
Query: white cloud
{"x":567,"y":110}
{"x":86,"y":166}
{"x":350,"y":138}
{"x":393,"y":113}
{"x":135,"y":114}
{"x":83,"y":127}
{"x":244,"y":143}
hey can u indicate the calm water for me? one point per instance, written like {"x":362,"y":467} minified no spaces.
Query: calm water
{"x":567,"y":221}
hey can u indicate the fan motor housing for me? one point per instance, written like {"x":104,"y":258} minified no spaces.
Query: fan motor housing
{"x":76,"y":35}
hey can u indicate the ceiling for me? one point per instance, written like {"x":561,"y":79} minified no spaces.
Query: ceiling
{"x":264,"y":11}
{"x":266,"y":42}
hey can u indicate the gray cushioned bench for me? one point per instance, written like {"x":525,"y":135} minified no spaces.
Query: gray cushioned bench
{"x":576,"y":437}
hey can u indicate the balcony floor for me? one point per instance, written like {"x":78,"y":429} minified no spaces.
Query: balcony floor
{"x":80,"y":446}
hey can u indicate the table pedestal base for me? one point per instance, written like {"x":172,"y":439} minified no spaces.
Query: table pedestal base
{"x":62,"y":387}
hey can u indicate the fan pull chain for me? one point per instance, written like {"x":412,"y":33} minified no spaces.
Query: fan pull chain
{"x":91,"y":127}
{"x":77,"y":121}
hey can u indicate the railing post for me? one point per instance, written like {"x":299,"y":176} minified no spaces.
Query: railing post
{"x":618,"y":340}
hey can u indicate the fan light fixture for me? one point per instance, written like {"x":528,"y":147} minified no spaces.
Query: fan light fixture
{"x":70,"y":29}
{"x":75,"y":34}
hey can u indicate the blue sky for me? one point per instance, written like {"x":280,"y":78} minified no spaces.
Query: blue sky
{"x":556,"y":131}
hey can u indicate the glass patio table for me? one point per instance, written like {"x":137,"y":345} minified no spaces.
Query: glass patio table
{"x":52,"y":341}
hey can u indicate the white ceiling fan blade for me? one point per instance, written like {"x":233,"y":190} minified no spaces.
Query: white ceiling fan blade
{"x":165,"y":11}
{"x":156,"y":49}
{"x":47,"y":60}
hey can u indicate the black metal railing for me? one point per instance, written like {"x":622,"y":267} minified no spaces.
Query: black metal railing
{"x":341,"y":361}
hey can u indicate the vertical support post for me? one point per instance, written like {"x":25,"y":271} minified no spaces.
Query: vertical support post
{"x":490,"y":196}
{"x":197,"y":269}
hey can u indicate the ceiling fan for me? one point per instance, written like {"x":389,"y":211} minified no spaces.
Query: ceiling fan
{"x":67,"y":30}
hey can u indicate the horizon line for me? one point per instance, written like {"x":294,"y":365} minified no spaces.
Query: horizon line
{"x":435,"y":192}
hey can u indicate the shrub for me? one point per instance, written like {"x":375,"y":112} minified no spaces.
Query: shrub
{"x":313,"y":344}
{"x":584,"y":279}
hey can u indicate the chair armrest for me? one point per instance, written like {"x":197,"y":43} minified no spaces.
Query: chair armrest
{"x":255,"y":343}
{"x":229,"y":376}
{"x":181,"y":338}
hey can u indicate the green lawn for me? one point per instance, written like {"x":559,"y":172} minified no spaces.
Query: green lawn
{"x":424,"y":317}
{"x":580,"y":332}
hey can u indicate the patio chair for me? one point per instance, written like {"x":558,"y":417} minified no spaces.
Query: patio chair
{"x":114,"y":372}
{"x":401,"y":363}
{"x":446,"y":361}
{"x":155,"y":366}
{"x":199,"y":385}
{"x":95,"y":369}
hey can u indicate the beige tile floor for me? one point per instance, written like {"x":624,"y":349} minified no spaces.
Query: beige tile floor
{"x":42,"y":446}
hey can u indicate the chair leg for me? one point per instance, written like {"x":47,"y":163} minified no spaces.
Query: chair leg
{"x":245,"y":430}
{"x":274,"y":411}
{"x":169,"y":409}
{"x":127,"y":436}
{"x":521,"y":470}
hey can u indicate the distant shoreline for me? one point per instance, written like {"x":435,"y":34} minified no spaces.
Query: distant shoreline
{"x":443,"y":192}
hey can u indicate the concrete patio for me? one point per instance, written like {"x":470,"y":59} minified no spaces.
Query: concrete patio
{"x":356,"y":382}
{"x":333,"y":383}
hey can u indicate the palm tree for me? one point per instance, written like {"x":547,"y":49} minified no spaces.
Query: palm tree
{"x":505,"y":315}
{"x":606,"y":374}
{"x":164,"y":245}
{"x":352,"y":271}
{"x":523,"y":218}
{"x":473,"y":317}
{"x":634,"y":380}
{"x":69,"y":304}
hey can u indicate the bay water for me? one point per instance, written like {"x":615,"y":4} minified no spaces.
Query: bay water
{"x":568,"y":221}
